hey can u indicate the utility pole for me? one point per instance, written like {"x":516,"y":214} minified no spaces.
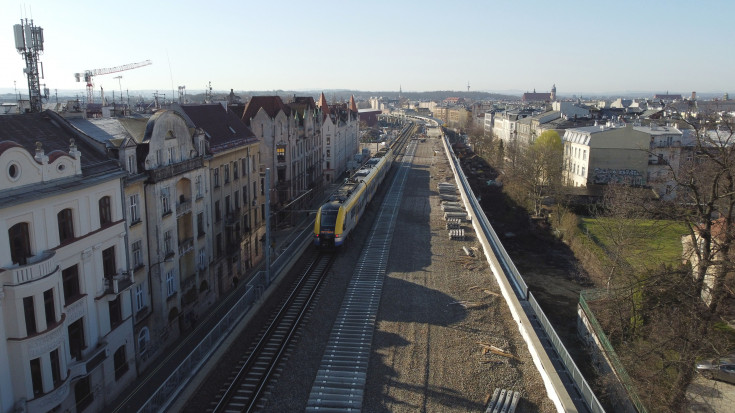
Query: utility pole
{"x":267,"y":226}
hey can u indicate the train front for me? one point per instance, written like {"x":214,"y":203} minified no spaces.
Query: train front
{"x":325,"y":234}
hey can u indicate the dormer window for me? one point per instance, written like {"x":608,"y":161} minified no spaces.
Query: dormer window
{"x":131,"y":164}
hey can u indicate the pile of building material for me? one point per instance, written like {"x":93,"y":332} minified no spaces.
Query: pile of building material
{"x":503,"y":401}
{"x":454,"y":211}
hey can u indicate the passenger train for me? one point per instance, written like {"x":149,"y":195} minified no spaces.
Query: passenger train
{"x":340,"y":214}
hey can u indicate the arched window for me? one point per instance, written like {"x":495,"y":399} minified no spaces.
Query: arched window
{"x":66,"y":225}
{"x":105,"y":211}
{"x":20,"y":243}
{"x":143,"y":338}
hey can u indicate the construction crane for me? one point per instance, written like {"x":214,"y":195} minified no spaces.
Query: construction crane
{"x":89,"y":74}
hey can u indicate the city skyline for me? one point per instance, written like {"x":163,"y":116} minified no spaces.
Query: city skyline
{"x":418,"y":46}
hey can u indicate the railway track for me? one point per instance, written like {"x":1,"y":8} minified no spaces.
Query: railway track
{"x":248,"y":381}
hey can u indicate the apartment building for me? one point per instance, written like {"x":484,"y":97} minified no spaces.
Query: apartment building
{"x":340,"y":136}
{"x":602,"y":154}
{"x":235,"y":218}
{"x":66,"y":330}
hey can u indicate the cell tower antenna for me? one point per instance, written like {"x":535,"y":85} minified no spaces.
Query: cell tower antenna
{"x":29,"y":43}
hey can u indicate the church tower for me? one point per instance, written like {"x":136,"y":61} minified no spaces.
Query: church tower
{"x":553,"y":93}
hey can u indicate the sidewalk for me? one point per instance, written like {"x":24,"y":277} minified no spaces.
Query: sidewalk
{"x":148,"y":382}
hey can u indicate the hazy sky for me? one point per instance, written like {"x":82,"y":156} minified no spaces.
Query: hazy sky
{"x":377,"y":45}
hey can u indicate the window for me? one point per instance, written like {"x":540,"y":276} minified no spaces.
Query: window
{"x":108,"y":262}
{"x":139,"y":298}
{"x":70,"y":278}
{"x":245,"y":195}
{"x":36,"y":377}
{"x":235,"y":175}
{"x":329,"y":153}
{"x":83,"y":396}
{"x":583,"y":170}
{"x":159,"y":157}
{"x":202,"y":258}
{"x":121,"y":362}
{"x":66,"y":225}
{"x":281,"y":153}
{"x":49,"y":307}
{"x":20,"y":243}
{"x":167,"y":246}
{"x":165,"y":201}
{"x":143,"y":339}
{"x":215,"y":177}
{"x":134,"y":214}
{"x":198,"y":185}
{"x":244,"y":165}
{"x":217,"y":212}
{"x":131,"y":164}
{"x":115,"y":312}
{"x":328,"y":140}
{"x":236,"y":197}
{"x":30,"y":315}
{"x":200,"y":224}
{"x":138,"y":254}
{"x":171,"y":155}
{"x":227,"y":205}
{"x":262,"y":186}
{"x":76,"y":338}
{"x":55,"y":367}
{"x":219,"y":245}
{"x":227,"y":173}
{"x":170,"y":283}
{"x":584,"y":154}
{"x":105,"y":211}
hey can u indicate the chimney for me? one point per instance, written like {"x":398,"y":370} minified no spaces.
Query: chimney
{"x":694,"y":95}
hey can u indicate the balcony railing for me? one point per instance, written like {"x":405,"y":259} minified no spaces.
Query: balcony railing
{"x":37,"y":267}
{"x":186,"y":246}
{"x":118,"y":283}
{"x":183,"y":208}
{"x":178,"y":168}
{"x":83,"y":367}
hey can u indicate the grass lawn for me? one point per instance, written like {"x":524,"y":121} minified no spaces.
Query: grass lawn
{"x":649,"y":241}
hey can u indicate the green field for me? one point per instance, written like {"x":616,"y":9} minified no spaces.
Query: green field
{"x":644,"y":243}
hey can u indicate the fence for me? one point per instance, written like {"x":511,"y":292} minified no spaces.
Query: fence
{"x":609,"y":351}
{"x":180,"y":377}
{"x":521,"y":288}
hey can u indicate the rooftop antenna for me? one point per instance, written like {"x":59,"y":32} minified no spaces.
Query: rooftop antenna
{"x":29,"y":43}
{"x":468,"y":86}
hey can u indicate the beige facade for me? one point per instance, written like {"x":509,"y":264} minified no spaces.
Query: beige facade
{"x":603,"y":154}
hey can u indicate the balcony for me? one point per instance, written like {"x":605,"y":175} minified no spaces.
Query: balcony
{"x":183,"y":208}
{"x":186,"y":246}
{"x":83,"y":367}
{"x":38,"y":266}
{"x":172,"y":170}
{"x":49,"y":401}
{"x":118,"y":283}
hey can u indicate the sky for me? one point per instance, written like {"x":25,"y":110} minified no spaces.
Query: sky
{"x":582,"y":47}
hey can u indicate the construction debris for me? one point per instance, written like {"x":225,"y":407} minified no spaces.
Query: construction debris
{"x":496,"y":350}
{"x":503,"y":401}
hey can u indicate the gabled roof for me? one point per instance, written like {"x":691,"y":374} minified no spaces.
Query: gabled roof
{"x":271,"y":105}
{"x":55,"y":134}
{"x":111,"y":131}
{"x":301,"y":104}
{"x":223,"y":128}
{"x":353,"y":106}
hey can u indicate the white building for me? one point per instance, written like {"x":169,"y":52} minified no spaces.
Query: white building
{"x":340,"y":134}
{"x":66,"y":331}
{"x":601,"y":154}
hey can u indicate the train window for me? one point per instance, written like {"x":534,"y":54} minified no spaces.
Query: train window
{"x":328,"y":219}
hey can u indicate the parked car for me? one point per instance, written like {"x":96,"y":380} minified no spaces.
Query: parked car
{"x":722,"y":368}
